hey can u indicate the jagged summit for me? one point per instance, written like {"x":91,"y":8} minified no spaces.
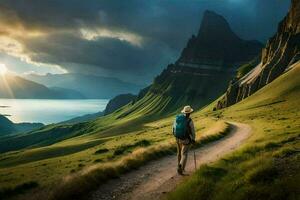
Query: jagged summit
{"x":217,"y":46}
{"x":215,"y":26}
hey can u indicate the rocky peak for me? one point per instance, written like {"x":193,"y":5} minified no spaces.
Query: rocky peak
{"x":215,"y":27}
{"x":216,"y":45}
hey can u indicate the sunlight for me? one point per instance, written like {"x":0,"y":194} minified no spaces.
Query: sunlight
{"x":4,"y":83}
{"x":3,"y":69}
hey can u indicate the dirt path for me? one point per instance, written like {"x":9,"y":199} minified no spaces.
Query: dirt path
{"x":159,"y":177}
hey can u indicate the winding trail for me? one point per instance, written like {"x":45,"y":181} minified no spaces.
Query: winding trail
{"x":157,"y":178}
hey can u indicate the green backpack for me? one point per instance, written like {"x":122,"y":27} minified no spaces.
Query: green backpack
{"x":180,"y":127}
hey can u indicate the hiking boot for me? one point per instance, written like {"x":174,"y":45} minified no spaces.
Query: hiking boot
{"x":179,"y":170}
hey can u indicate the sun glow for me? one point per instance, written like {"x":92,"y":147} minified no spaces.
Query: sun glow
{"x":3,"y":69}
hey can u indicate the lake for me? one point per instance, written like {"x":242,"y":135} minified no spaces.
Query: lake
{"x":49,"y":111}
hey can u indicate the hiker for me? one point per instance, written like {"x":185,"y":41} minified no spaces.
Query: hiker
{"x":184,"y":131}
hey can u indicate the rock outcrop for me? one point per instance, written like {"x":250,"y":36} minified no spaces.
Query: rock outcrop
{"x":281,"y":51}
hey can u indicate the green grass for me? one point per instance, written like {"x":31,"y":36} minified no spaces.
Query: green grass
{"x":86,"y":176}
{"x":47,"y":165}
{"x":128,"y":148}
{"x":90,"y":178}
{"x":267,"y":166}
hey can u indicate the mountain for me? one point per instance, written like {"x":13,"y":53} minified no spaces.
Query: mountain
{"x":216,"y":46}
{"x":118,"y":102}
{"x":8,"y":127}
{"x":201,"y":74}
{"x":12,"y":86}
{"x":90,"y":86}
{"x":279,"y":55}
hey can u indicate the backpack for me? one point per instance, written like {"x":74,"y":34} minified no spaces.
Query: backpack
{"x":180,"y":127}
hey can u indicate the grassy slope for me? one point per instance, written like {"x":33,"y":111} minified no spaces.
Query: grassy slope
{"x":268,"y":165}
{"x":46,"y":165}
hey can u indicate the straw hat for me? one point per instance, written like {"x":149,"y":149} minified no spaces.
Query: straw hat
{"x":187,"y":109}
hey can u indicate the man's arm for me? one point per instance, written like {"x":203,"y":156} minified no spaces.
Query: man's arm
{"x":192,"y":128}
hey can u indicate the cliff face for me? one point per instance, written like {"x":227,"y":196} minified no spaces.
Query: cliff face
{"x":281,"y":52}
{"x":216,"y":45}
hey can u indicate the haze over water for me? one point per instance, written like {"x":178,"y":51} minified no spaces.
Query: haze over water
{"x":49,"y":111}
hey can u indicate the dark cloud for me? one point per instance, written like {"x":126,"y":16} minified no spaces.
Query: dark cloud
{"x":105,"y":53}
{"x":143,"y":36}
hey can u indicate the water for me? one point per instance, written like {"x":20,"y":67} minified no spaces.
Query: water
{"x":49,"y":111}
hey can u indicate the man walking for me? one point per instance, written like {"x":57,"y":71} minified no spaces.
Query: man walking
{"x":184,"y":131}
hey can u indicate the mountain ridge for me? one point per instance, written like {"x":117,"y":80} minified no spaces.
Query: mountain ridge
{"x":281,"y":51}
{"x":13,"y":86}
{"x":91,"y":86}
{"x":7,"y":127}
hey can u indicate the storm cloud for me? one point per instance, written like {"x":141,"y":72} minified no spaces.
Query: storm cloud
{"x":131,"y":40}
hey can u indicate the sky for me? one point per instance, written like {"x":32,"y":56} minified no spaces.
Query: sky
{"x":132,"y":40}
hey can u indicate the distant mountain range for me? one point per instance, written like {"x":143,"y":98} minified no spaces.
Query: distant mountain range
{"x":90,"y":86}
{"x":12,"y":86}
